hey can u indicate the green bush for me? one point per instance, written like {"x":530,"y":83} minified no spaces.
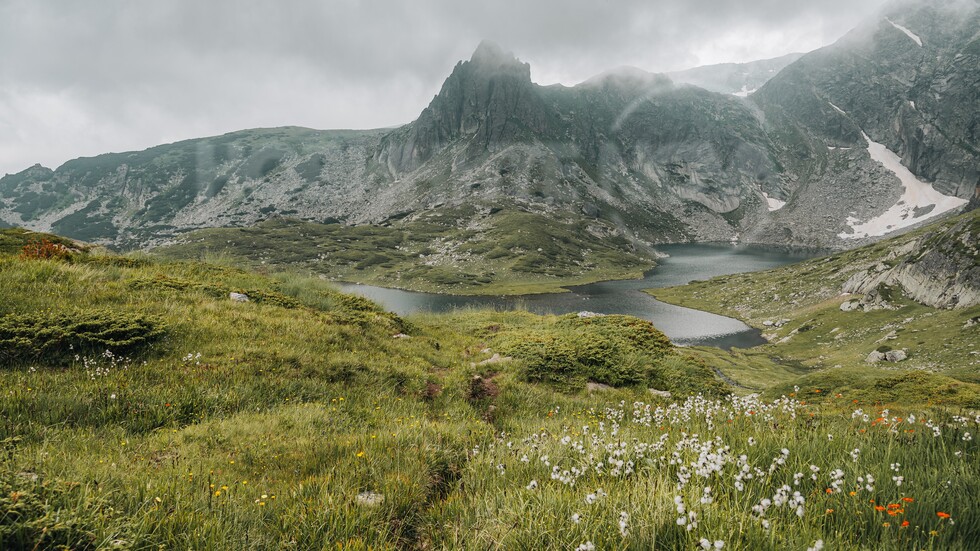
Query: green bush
{"x":627,"y":330}
{"x":612,"y":350}
{"x":56,"y":337}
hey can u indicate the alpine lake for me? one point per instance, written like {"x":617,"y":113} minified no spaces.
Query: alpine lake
{"x":684,"y":263}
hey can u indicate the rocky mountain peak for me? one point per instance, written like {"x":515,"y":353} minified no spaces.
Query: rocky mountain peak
{"x":487,"y":100}
{"x":490,"y":53}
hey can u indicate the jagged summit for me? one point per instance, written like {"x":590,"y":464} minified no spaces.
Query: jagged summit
{"x":489,"y":52}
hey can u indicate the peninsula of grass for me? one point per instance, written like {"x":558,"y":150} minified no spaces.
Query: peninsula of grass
{"x":510,"y":253}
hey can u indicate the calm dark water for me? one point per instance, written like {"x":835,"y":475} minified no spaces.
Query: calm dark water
{"x":684,"y":326}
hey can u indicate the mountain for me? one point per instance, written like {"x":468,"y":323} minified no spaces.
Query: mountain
{"x":740,"y":79}
{"x":655,"y":160}
{"x":898,"y":92}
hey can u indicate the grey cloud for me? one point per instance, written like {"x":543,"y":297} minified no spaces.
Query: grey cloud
{"x":80,"y":78}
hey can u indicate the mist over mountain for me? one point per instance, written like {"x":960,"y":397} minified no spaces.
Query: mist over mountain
{"x":657,"y":159}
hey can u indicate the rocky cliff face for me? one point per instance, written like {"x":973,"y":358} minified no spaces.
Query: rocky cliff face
{"x":907,"y":79}
{"x":939,"y":269}
{"x":486,"y":101}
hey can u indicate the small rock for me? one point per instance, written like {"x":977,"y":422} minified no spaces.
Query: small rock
{"x":874,"y":357}
{"x":767,"y":323}
{"x":587,"y":314}
{"x":896,"y":355}
{"x":850,"y":305}
{"x":370,"y":499}
{"x":238,"y":297}
{"x":401,"y":336}
{"x":495,"y":359}
{"x":592,"y":387}
{"x":659,"y":393}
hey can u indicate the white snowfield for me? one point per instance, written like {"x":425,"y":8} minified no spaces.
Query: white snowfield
{"x":910,"y":34}
{"x":838,"y":109}
{"x":917,"y":195}
{"x":774,"y":204}
{"x":744,"y":92}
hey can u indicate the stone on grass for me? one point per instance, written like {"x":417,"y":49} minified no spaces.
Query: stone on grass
{"x":587,"y":314}
{"x":238,"y":297}
{"x":370,"y":499}
{"x":875,"y":357}
{"x":495,"y":359}
{"x":896,"y":355}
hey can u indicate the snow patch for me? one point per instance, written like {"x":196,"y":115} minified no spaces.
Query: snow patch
{"x":773,"y":203}
{"x":912,"y":104}
{"x":838,"y":109}
{"x":918,"y":196}
{"x":910,"y":34}
{"x":744,"y":92}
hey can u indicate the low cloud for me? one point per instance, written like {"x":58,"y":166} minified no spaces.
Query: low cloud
{"x":82,"y":78}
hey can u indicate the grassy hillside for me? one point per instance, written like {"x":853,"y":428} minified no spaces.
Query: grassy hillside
{"x":798,"y":308}
{"x":504,"y":252}
{"x":308,"y":419}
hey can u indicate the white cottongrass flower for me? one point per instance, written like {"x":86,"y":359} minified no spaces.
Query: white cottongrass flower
{"x":576,"y":518}
{"x":532,"y":485}
{"x":587,"y":546}
{"x":623,"y":518}
{"x":817,"y":546}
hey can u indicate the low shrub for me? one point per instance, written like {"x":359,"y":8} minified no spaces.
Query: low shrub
{"x":45,"y":250}
{"x":56,"y":337}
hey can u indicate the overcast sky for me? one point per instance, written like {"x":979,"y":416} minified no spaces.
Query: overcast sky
{"x":87,"y":77}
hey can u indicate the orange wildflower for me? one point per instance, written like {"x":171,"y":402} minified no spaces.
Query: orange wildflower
{"x":879,"y":508}
{"x":908,"y":499}
{"x":905,"y":523}
{"x":943,"y":515}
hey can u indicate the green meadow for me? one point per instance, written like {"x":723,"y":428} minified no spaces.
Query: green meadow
{"x":144,"y":409}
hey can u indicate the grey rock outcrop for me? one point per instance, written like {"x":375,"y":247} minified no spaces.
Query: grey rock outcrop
{"x":940,"y":269}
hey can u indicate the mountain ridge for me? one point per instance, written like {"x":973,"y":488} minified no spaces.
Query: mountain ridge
{"x":660,"y":161}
